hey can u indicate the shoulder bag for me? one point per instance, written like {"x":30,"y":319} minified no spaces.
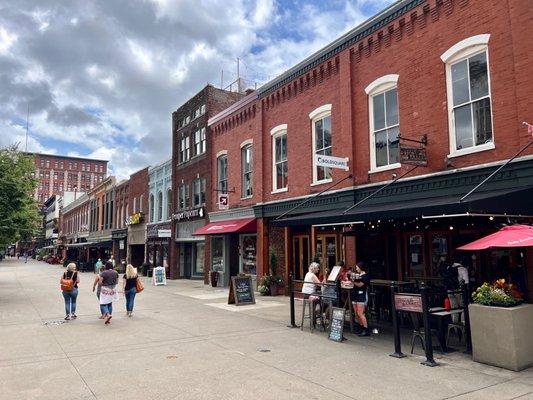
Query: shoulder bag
{"x":138,"y":285}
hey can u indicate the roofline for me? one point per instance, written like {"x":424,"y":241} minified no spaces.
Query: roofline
{"x":363,"y":30}
{"x":231,"y":109}
{"x":62,"y":156}
{"x":161,"y":164}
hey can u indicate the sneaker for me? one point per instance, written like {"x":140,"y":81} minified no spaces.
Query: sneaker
{"x":108,"y":319}
{"x":73,"y":316}
{"x":67,"y":318}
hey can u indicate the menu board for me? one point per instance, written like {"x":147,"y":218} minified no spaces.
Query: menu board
{"x":240,"y":291}
{"x":336,"y":326}
{"x":159,"y":276}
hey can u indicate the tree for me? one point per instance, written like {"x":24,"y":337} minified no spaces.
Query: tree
{"x":19,"y":215}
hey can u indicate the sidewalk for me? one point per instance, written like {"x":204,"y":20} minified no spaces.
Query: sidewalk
{"x":183,"y":342}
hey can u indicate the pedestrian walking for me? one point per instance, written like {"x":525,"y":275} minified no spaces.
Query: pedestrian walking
{"x":129,"y":284}
{"x":98,"y":287}
{"x":98,"y":266}
{"x":108,"y":292}
{"x":69,"y":286}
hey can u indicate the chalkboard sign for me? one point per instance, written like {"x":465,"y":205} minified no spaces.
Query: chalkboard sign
{"x":241,"y":291}
{"x":336,"y":327}
{"x":159,"y":276}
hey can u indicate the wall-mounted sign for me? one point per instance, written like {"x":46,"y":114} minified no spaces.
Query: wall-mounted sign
{"x":413,"y":155}
{"x":331,"y":162}
{"x":164,"y":233}
{"x":223,"y":201}
{"x":135,"y":219}
{"x":189,"y":214}
{"x":121,"y":245}
{"x":408,"y":302}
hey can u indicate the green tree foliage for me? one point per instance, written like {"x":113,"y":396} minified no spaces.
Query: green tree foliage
{"x":19,"y":215}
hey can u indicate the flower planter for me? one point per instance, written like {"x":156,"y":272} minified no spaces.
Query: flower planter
{"x":501,"y":336}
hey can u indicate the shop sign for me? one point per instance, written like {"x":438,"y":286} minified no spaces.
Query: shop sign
{"x":164,"y":233}
{"x":159,"y":276}
{"x":413,"y":155}
{"x":408,"y":302}
{"x":189,"y":214}
{"x":337,"y":324}
{"x":331,"y":162}
{"x":121,"y":244}
{"x":119,"y":234}
{"x":241,"y":292}
{"x":223,"y":201}
{"x":135,"y":219}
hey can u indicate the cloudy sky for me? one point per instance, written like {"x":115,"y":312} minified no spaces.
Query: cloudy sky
{"x":101,"y":78}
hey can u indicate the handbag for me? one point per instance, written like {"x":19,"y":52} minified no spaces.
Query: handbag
{"x":67,"y":284}
{"x":138,"y":286}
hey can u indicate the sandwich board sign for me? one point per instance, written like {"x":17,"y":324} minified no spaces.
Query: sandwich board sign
{"x":159,"y":276}
{"x":241,"y":291}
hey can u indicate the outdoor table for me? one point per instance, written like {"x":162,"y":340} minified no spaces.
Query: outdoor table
{"x":441,"y":313}
{"x":347,"y":304}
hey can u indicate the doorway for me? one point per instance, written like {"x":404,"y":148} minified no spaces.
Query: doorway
{"x":327,"y":250}
{"x":301,"y":254}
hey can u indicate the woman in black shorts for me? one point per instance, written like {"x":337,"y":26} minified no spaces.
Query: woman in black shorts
{"x":359,"y":295}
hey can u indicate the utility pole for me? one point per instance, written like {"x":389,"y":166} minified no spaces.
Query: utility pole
{"x":27,"y":127}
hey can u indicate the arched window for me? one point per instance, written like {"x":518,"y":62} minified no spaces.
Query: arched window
{"x":160,"y":206}
{"x":169,"y":203}
{"x":141,"y":201}
{"x":151,"y":208}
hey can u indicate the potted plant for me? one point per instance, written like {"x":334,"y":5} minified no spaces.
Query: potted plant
{"x":501,"y":326}
{"x":273,"y":281}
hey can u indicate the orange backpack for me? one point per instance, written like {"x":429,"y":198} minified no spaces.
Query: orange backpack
{"x":67,"y":284}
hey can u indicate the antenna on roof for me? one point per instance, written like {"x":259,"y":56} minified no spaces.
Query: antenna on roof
{"x":27,"y":126}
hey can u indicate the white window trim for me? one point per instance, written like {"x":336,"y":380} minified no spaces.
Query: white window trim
{"x":316,"y":114}
{"x":382,"y":84}
{"x":378,"y":86}
{"x":221,"y":153}
{"x":455,"y":51}
{"x":247,"y":142}
{"x":320,"y":112}
{"x":465,"y":49}
{"x":277,"y":129}
{"x":274,"y":133}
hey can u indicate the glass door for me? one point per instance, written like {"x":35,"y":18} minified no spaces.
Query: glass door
{"x":300,"y":256}
{"x":327,"y":251}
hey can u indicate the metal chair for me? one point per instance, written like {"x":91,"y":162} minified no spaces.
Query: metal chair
{"x":458,"y":328}
{"x":418,"y":332}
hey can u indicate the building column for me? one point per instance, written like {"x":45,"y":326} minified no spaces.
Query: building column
{"x":350,"y":250}
{"x":262,"y":247}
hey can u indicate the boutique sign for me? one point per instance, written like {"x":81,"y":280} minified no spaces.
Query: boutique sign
{"x":331,"y":162}
{"x":189,"y":214}
{"x":135,"y":219}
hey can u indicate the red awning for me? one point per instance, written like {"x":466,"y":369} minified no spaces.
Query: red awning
{"x":246,"y":225}
{"x":508,"y":236}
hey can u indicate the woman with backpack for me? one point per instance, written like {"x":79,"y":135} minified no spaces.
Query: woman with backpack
{"x":69,"y":286}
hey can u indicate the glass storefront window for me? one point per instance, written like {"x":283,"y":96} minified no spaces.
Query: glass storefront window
{"x":439,"y":249}
{"x":248,"y":254}
{"x":200,"y":257}
{"x":217,"y":250}
{"x":416,"y":255}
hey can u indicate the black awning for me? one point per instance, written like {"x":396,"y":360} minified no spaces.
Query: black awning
{"x":516,"y":202}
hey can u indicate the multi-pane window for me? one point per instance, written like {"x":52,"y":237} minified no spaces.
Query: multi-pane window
{"x":199,"y":192}
{"x":222,"y":174}
{"x":322,"y":146}
{"x":280,"y":169}
{"x":247,"y":170}
{"x":202,"y":109}
{"x":199,"y":141}
{"x":183,"y":197}
{"x":184,"y":149}
{"x":169,"y":203}
{"x":471,"y":110}
{"x":160,"y":206}
{"x":385,"y":127}
{"x":151,"y":205}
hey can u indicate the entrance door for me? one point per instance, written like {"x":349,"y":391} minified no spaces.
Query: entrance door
{"x":300,"y":255}
{"x":327,"y":250}
{"x":186,"y":259}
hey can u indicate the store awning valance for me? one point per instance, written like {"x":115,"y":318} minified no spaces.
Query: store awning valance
{"x":245,"y":225}
{"x":515,"y":202}
{"x":79,"y":244}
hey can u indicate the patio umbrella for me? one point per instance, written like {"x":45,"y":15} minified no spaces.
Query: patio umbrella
{"x":508,"y":236}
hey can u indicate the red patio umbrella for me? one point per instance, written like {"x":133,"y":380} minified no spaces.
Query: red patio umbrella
{"x":508,"y":236}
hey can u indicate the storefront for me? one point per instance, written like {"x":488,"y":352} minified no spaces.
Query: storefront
{"x":158,"y":240}
{"x":136,"y":239}
{"x":120,"y":244}
{"x":190,"y":260}
{"x":233,"y":247}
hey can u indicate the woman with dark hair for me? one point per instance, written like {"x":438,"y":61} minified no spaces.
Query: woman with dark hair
{"x":361,"y":282}
{"x":108,"y":292}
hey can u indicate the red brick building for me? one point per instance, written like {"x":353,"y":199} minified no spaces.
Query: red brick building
{"x":121,"y":210}
{"x":454,"y":71}
{"x":59,"y":174}
{"x":138,"y":212}
{"x":191,"y":175}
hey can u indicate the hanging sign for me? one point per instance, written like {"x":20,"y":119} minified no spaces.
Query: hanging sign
{"x":413,"y":155}
{"x":331,"y":162}
{"x":408,"y":302}
{"x":223,"y":201}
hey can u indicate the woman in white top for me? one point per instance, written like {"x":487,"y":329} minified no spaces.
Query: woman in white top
{"x":310,"y":280}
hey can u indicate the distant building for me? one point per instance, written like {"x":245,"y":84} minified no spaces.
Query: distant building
{"x":59,"y":174}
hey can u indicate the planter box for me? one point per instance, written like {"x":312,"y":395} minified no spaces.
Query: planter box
{"x":502,"y":336}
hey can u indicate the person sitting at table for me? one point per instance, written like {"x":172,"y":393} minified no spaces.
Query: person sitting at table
{"x":309,"y":287}
{"x":361,"y":282}
{"x":329,"y":291}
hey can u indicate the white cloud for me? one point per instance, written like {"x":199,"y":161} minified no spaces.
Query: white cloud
{"x":6,"y":40}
